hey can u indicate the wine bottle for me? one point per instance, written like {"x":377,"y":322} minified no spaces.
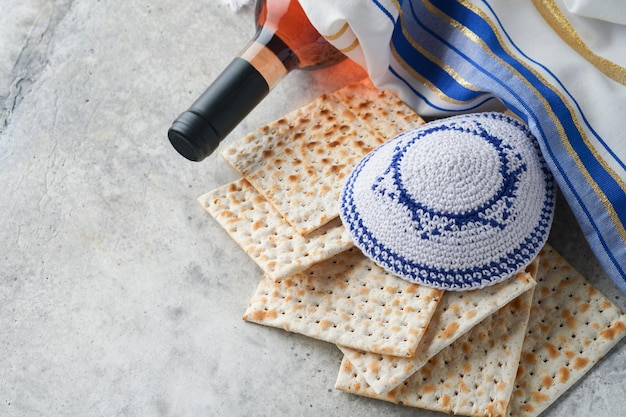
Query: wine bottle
{"x":284,"y":41}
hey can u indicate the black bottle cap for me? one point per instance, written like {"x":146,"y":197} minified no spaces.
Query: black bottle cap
{"x":197,"y":132}
{"x":193,"y":137}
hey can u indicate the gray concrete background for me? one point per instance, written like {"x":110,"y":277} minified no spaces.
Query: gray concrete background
{"x":119,"y":296}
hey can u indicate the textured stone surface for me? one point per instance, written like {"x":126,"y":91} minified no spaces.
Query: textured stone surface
{"x":26,"y":30}
{"x":118,"y":294}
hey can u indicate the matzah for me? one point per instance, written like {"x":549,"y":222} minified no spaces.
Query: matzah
{"x":474,"y":376}
{"x":572,"y":326}
{"x":299,"y":162}
{"x":457,"y":313}
{"x":383,"y":111}
{"x":265,"y":236}
{"x":350,"y":301}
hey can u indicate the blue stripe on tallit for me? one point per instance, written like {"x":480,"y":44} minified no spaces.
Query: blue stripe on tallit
{"x":422,"y":97}
{"x":427,"y":68}
{"x":468,"y":99}
{"x":384,"y":10}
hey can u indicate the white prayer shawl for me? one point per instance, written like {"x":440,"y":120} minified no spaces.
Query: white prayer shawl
{"x":558,"y":64}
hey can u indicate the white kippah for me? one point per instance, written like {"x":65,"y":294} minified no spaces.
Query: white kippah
{"x":458,"y":203}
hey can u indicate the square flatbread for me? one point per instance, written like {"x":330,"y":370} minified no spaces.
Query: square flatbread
{"x":348,"y":300}
{"x":572,"y":326}
{"x":265,"y":236}
{"x":300,"y":162}
{"x":474,"y":376}
{"x":457,"y":313}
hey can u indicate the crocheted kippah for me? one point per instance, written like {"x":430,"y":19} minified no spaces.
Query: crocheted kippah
{"x":459,"y":203}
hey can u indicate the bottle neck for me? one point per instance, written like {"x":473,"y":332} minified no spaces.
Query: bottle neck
{"x":302,"y":45}
{"x":284,"y":40}
{"x":270,"y":56}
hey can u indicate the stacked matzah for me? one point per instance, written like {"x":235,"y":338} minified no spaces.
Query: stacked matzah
{"x":510,"y":349}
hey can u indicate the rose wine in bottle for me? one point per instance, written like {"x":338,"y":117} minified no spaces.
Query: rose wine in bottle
{"x":284,"y":40}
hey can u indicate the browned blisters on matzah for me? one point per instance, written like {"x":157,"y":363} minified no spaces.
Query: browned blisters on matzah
{"x":383,"y":111}
{"x":300,"y":162}
{"x":474,"y":376}
{"x":348,"y":300}
{"x":572,"y":326}
{"x":265,"y":236}
{"x":456,"y":314}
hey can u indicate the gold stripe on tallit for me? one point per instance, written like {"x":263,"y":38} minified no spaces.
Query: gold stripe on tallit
{"x":350,"y":47}
{"x":418,"y":77}
{"x":339,"y":33}
{"x":550,"y":11}
{"x":424,"y":81}
{"x":445,"y":67}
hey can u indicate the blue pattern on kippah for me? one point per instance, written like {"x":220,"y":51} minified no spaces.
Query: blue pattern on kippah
{"x":389,"y":186}
{"x":402,"y":196}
